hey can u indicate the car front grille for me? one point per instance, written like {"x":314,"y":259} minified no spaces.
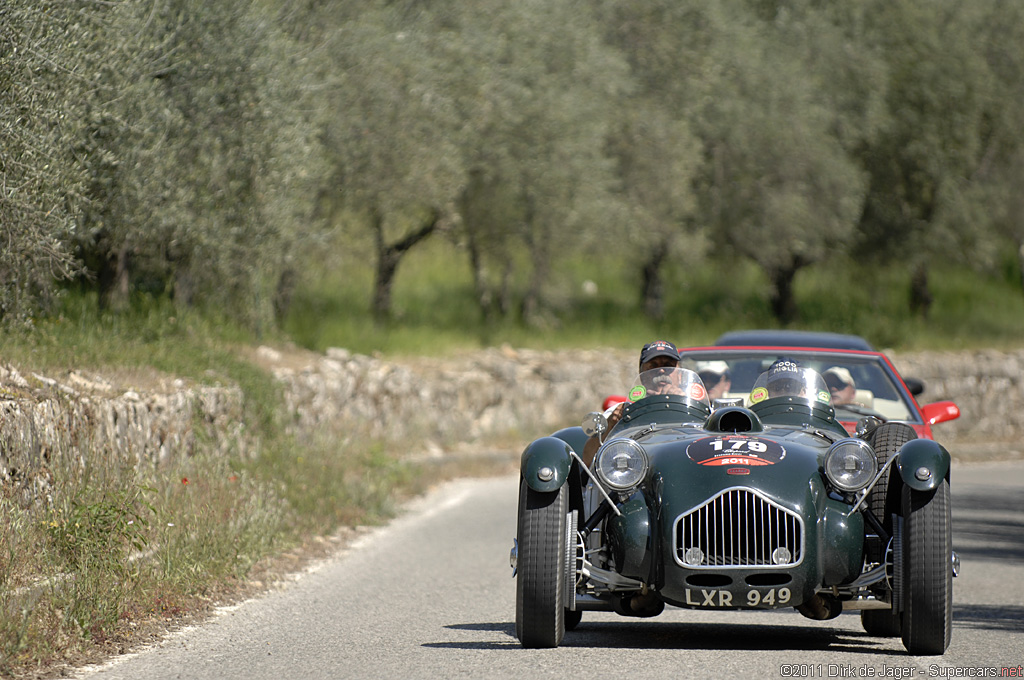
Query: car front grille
{"x":738,"y":528}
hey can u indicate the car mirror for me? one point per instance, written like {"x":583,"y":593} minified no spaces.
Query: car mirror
{"x":915,"y":386}
{"x":594,"y":423}
{"x":722,"y":402}
{"x":940,"y":412}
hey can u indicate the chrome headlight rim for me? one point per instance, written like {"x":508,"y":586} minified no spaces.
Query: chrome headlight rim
{"x":638,"y":459}
{"x":837,"y":465}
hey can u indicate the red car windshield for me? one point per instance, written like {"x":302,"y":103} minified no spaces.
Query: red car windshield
{"x":858,"y":383}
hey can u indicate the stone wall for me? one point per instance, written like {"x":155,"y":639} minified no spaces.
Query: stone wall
{"x":506,"y":393}
{"x":428,"y":406}
{"x":45,"y":422}
{"x":987,"y":385}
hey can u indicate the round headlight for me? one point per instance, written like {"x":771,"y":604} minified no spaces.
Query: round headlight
{"x":850,"y":464}
{"x":621,"y":464}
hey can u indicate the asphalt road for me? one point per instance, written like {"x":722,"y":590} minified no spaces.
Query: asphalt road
{"x":431,"y":596}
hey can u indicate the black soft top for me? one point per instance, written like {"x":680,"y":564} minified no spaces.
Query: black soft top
{"x":784,"y":338}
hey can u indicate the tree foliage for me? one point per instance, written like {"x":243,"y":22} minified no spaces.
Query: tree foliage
{"x":780,"y":188}
{"x":205,"y":151}
{"x":36,"y":173}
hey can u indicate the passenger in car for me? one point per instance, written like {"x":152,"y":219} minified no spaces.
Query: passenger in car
{"x":785,"y":378}
{"x":841,"y":385}
{"x":716,"y":377}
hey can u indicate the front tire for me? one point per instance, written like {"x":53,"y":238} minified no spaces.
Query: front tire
{"x":880,"y":623}
{"x":540,"y":579}
{"x":928,"y":570}
{"x":886,"y":440}
{"x":572,"y":618}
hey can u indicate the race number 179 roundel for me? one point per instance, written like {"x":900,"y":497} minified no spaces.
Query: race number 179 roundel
{"x":735,"y":450}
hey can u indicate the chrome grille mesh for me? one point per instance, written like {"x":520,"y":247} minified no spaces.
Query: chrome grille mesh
{"x":738,"y":528}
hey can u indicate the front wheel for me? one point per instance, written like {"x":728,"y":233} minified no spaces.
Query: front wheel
{"x":880,"y":622}
{"x":540,"y":577}
{"x":928,"y":570}
{"x":572,"y":618}
{"x":886,"y":440}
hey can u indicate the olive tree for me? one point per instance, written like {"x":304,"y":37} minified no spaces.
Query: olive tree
{"x":390,"y":136}
{"x":657,"y":160}
{"x":987,"y":209}
{"x":653,"y":138}
{"x":180,"y":133}
{"x":36,"y":172}
{"x":535,"y":83}
{"x":780,"y":188}
{"x":920,"y":162}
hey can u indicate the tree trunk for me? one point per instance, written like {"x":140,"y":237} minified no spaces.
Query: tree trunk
{"x":115,"y":283}
{"x":283,"y":294}
{"x":484,"y":295}
{"x":473,"y":195}
{"x":920,"y":294}
{"x":1020,"y":260}
{"x":388,"y":257}
{"x":783,"y":303}
{"x":505,"y":294}
{"x":184,"y":291}
{"x":537,"y":244}
{"x":652,"y":293}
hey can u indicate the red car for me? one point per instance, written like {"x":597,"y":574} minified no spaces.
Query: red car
{"x":848,"y":361}
{"x":879,"y":390}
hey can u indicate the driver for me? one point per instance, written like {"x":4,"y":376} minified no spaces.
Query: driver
{"x":716,"y":377}
{"x":654,"y":355}
{"x":657,"y":372}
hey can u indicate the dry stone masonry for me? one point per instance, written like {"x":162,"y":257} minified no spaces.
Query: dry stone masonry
{"x":507,"y":392}
{"x":45,"y":421}
{"x":425,"y":405}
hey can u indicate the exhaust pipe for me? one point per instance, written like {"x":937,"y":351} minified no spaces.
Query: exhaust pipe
{"x":644,"y":605}
{"x":821,"y":607}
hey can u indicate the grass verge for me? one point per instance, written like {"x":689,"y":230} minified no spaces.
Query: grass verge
{"x":97,"y":556}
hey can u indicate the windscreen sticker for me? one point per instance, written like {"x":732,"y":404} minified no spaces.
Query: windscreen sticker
{"x":824,"y":397}
{"x":637,"y":393}
{"x":759,"y":394}
{"x":735,"y":450}
{"x":697,"y":392}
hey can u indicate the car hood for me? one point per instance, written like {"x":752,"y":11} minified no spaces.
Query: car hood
{"x":780,"y":463}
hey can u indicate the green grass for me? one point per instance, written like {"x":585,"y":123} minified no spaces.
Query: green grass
{"x":435,"y":312}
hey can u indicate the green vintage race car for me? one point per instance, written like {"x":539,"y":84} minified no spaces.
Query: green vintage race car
{"x":760,"y":503}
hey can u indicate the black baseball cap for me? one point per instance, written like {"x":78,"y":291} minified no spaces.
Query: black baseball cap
{"x":658,"y":348}
{"x":784,"y":368}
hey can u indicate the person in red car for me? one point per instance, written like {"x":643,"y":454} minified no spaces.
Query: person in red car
{"x":654,"y":355}
{"x":841,"y":385}
{"x":716,"y":377}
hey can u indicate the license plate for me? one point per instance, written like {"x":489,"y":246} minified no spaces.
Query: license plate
{"x":761,"y":597}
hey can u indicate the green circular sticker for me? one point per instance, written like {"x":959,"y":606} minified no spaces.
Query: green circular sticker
{"x":759,"y":394}
{"x":637,"y":393}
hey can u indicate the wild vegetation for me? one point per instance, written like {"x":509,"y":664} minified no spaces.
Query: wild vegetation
{"x":179,"y":178}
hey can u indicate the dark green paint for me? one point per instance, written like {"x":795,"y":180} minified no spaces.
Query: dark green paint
{"x":798,"y":412}
{"x":629,"y":538}
{"x":923,"y":453}
{"x":549,"y":452}
{"x":573,"y":436}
